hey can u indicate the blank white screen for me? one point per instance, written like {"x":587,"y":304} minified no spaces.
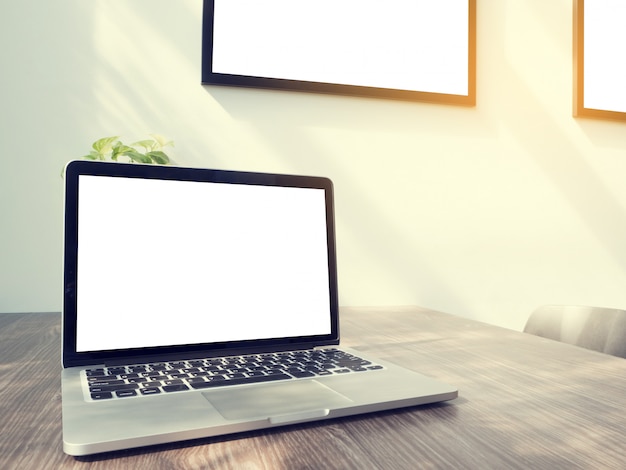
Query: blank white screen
{"x":173,"y":263}
{"x":418,"y":45}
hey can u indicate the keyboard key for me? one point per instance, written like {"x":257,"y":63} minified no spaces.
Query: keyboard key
{"x":301,"y":373}
{"x":256,"y":373}
{"x":173,"y":382}
{"x":195,"y":380}
{"x":200,"y":374}
{"x":214,"y":380}
{"x":113,"y":388}
{"x":98,"y":383}
{"x":236,"y":375}
{"x":101,"y":395}
{"x":179,"y":376}
{"x":129,"y":376}
{"x":175,"y":388}
{"x":153,"y":373}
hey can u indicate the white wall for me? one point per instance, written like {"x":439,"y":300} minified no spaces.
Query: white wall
{"x":483,"y":212}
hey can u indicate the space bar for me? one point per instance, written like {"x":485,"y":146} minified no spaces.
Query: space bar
{"x":245,"y":380}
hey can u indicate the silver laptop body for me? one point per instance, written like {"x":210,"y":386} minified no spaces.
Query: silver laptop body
{"x":170,"y":265}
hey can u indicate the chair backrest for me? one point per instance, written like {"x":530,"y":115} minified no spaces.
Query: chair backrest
{"x":600,"y":329}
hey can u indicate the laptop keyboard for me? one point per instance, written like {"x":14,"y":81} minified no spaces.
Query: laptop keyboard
{"x":167,"y":377}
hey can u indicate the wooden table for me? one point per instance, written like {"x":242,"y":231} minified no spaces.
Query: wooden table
{"x":524,"y":402}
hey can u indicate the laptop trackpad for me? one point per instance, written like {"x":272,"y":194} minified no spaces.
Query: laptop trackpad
{"x":280,"y":402}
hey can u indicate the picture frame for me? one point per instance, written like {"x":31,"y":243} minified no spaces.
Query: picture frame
{"x":599,"y":79}
{"x":363,"y":48}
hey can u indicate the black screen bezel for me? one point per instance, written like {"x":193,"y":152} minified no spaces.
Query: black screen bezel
{"x":125,"y":170}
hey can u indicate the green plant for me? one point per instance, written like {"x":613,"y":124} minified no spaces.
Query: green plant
{"x":143,"y":151}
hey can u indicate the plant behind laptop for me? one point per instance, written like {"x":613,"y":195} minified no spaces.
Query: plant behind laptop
{"x":143,"y":151}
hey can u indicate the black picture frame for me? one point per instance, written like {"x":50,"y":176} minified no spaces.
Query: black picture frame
{"x":213,"y":77}
{"x":581,"y":108}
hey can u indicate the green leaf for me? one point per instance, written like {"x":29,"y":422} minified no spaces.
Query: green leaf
{"x":137,"y":157}
{"x":104,"y":145}
{"x":162,"y":141}
{"x":120,"y":149}
{"x":146,"y":144}
{"x":159,"y":157}
{"x":93,"y":155}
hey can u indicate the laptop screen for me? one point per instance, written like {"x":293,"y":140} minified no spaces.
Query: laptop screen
{"x":175,"y":259}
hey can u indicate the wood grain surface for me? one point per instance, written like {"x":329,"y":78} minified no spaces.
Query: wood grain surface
{"x":524,"y":402}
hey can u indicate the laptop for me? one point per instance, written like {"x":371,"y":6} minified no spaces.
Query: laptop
{"x":204,"y":302}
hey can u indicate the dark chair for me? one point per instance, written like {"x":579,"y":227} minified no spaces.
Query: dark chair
{"x":600,"y":329}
